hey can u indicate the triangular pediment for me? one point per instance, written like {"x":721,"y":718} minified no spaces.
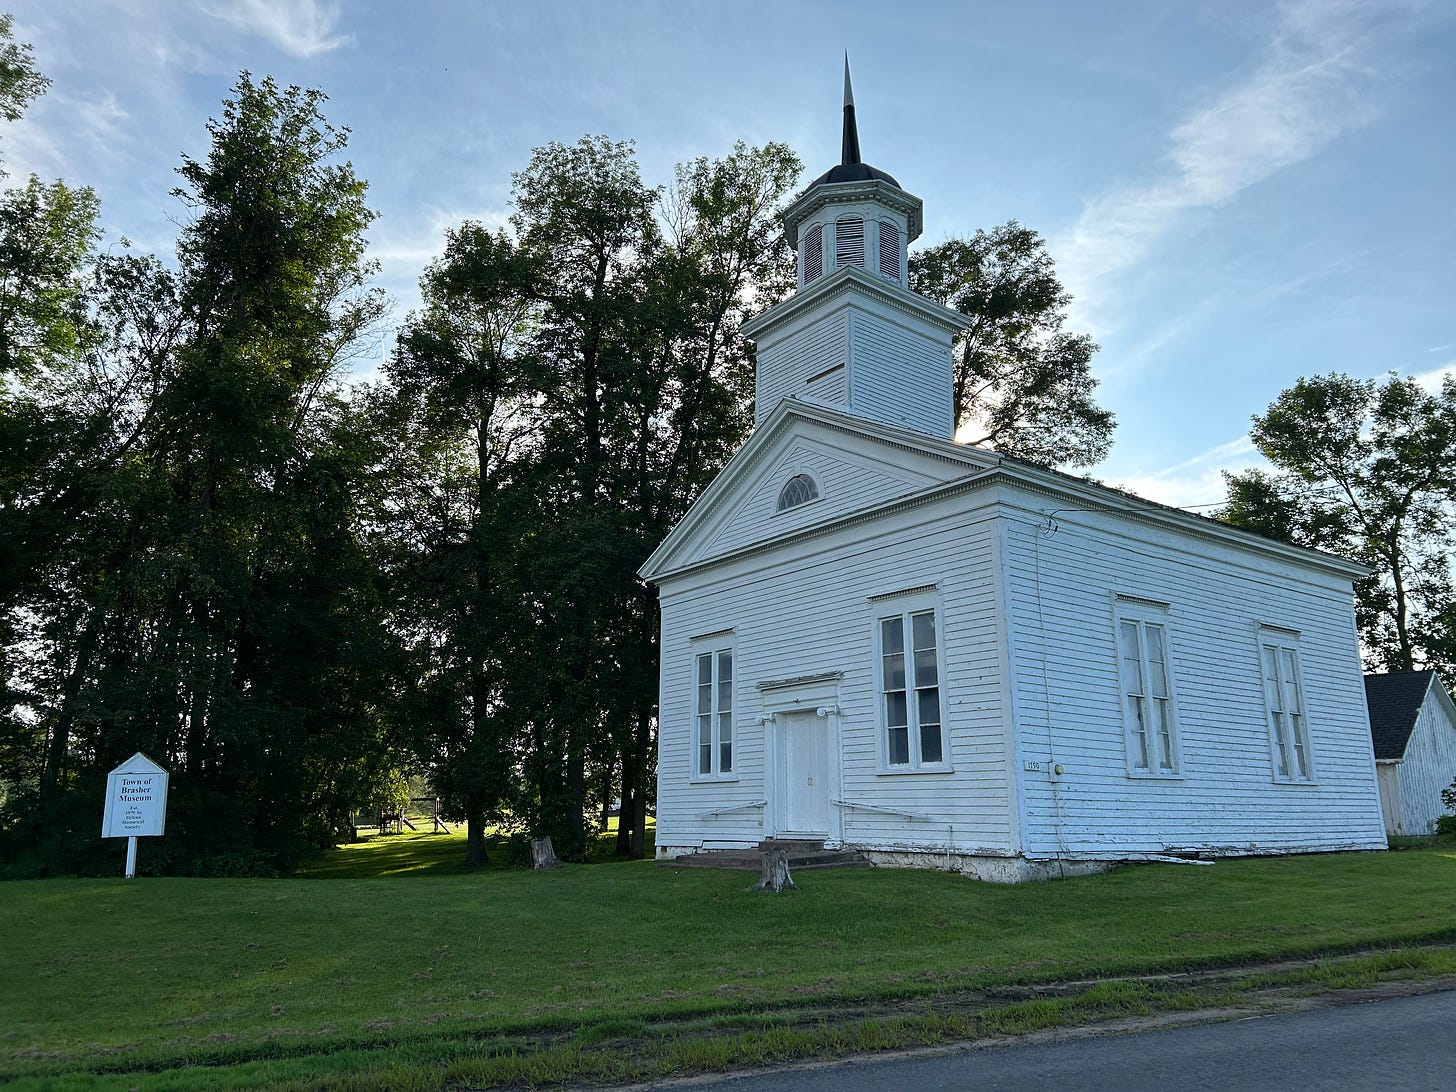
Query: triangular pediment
{"x":138,"y":764}
{"x":855,"y":465}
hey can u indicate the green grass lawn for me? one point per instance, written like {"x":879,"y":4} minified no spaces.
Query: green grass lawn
{"x":389,"y":954}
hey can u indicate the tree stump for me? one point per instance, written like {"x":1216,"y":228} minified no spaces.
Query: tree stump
{"x":542,"y":854}
{"x":776,"y":872}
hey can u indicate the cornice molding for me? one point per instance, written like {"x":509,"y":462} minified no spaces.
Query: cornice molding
{"x":844,"y":193}
{"x":852,"y":279}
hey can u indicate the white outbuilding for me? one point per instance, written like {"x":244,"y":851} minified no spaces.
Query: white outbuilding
{"x":1413,"y":728}
{"x":938,"y":655}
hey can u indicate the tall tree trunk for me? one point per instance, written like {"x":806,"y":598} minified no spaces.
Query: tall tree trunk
{"x":475,"y":852}
{"x":637,"y":847}
{"x":59,"y":740}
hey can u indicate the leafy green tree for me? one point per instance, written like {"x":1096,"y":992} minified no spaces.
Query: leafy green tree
{"x":47,"y":233}
{"x":645,"y":388}
{"x":585,"y":213}
{"x":459,"y":393}
{"x":1023,"y":384}
{"x":209,"y":598}
{"x":20,"y":82}
{"x":1367,"y":469}
{"x":724,"y":258}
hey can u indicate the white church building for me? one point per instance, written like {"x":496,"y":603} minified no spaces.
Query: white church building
{"x":938,"y":655}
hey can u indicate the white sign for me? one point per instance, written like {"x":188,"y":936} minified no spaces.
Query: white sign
{"x":136,"y":800}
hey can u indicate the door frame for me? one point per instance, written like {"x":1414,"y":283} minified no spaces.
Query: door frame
{"x":819,"y":696}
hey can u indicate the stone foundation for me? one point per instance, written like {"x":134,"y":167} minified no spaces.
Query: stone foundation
{"x":989,"y":869}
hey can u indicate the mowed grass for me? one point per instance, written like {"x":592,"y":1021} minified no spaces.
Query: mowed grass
{"x":261,"y":981}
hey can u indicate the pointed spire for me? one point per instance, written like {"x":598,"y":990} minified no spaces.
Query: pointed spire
{"x":849,"y":151}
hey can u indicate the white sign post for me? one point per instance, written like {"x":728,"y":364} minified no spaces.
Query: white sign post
{"x":136,"y":804}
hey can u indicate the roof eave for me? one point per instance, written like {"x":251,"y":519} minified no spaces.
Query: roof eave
{"x":841,"y":193}
{"x":850,"y":278}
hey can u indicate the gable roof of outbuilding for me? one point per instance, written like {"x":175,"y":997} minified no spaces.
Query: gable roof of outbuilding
{"x":1394,"y":700}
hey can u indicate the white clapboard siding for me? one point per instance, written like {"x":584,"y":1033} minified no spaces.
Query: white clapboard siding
{"x":848,"y":481}
{"x":787,"y":364}
{"x":1063,"y":574}
{"x":901,"y":375}
{"x":894,"y":348}
{"x":1025,"y":572}
{"x":803,"y":609}
{"x":1429,"y":764}
{"x":853,"y":471}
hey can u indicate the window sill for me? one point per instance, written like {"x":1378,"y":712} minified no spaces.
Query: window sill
{"x":1294,"y":781}
{"x":906,"y":771}
{"x":798,"y":507}
{"x":713,"y":779}
{"x":1141,"y":775}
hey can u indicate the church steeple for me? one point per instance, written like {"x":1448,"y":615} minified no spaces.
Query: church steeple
{"x":852,"y":167}
{"x":854,"y":336}
{"x":849,"y":147}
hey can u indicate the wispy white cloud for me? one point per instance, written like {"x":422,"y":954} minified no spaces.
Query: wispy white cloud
{"x":1432,"y":379}
{"x":1310,"y":85}
{"x":94,"y":130}
{"x":1196,"y":482}
{"x":301,"y":28}
{"x":421,"y":240}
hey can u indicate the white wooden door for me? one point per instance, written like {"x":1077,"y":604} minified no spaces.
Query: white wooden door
{"x":805,"y":783}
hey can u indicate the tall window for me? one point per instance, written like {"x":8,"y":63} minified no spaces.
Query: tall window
{"x":889,"y":250}
{"x":714,"y":717}
{"x":1284,"y":699}
{"x":849,"y":242}
{"x":812,"y":251}
{"x":910,"y":690}
{"x":1147,"y":697}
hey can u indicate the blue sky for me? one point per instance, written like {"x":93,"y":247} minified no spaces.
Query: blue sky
{"x":1237,"y":193}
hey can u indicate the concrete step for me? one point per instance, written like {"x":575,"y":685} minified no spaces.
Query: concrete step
{"x":809,"y":856}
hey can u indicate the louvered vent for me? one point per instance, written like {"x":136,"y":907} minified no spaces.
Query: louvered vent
{"x":849,"y":242}
{"x":812,"y":251}
{"x":889,"y":250}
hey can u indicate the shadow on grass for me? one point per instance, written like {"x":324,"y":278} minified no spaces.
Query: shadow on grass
{"x":385,"y":856}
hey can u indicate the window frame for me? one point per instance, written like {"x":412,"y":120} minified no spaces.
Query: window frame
{"x":713,"y":648}
{"x":1142,"y":614}
{"x":812,"y":255}
{"x":905,"y":607}
{"x":1284,"y":644}
{"x":780,"y":508}
{"x":843,"y":249}
{"x":890,"y":227}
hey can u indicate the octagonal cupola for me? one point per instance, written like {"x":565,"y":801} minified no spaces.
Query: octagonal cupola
{"x":853,"y":214}
{"x":853,"y":335}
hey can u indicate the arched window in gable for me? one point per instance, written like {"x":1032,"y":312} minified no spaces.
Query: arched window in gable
{"x":800,"y":489}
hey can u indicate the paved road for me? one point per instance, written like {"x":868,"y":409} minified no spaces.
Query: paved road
{"x":1407,"y":1043}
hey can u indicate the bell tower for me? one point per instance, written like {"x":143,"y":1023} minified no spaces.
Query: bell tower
{"x":853,"y":336}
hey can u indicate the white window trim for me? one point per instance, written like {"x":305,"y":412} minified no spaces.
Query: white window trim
{"x":883,"y":222}
{"x":787,"y":474}
{"x":1144,"y":612}
{"x":888,"y":606}
{"x":852,"y":216}
{"x":1283,"y":639}
{"x":804,"y":279}
{"x":712,"y":645}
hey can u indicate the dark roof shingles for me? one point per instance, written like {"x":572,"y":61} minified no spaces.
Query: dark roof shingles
{"x":1394,"y":701}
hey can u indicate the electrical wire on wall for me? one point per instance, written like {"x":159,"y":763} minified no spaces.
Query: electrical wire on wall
{"x":1047,"y":529}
